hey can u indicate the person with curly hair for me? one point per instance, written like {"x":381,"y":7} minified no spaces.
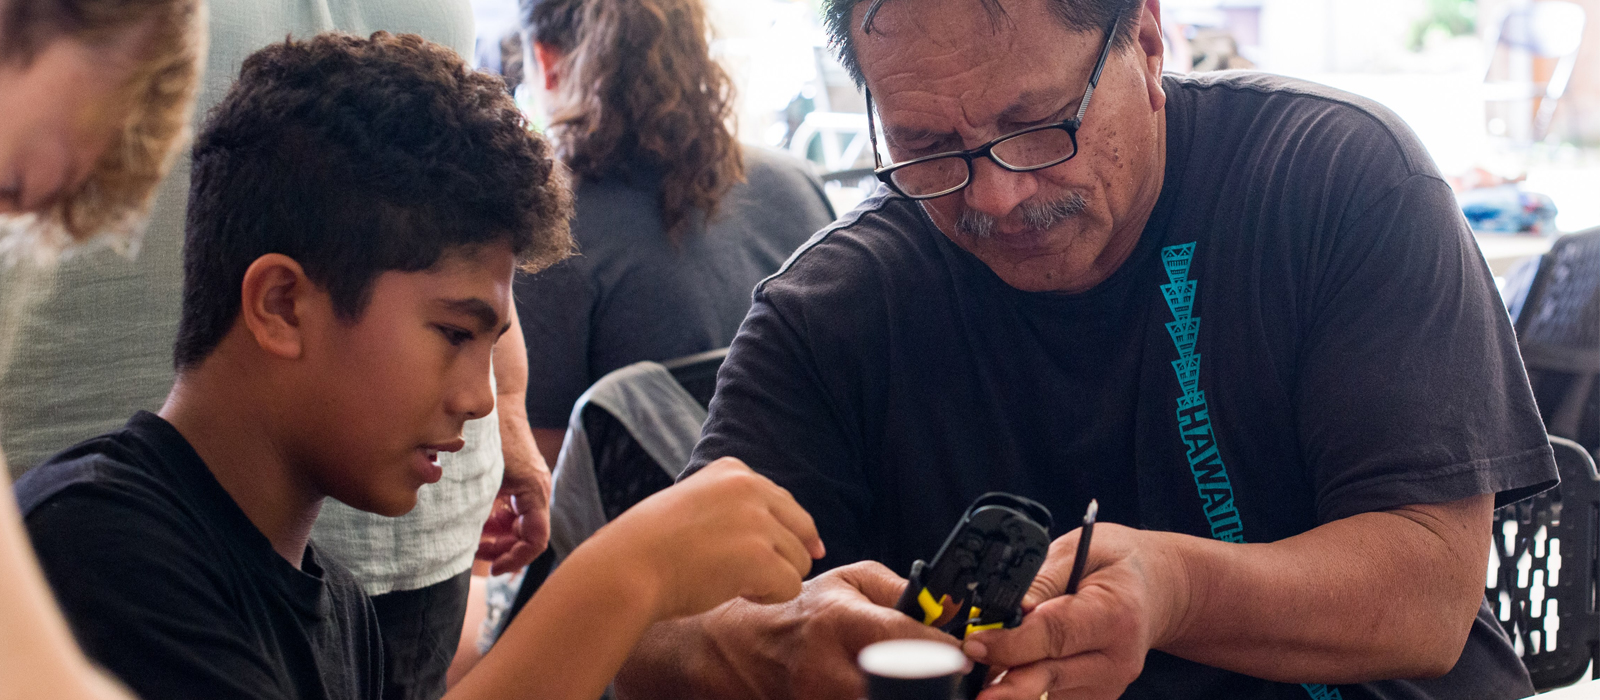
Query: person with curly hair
{"x":94,"y":100}
{"x":357,"y":210}
{"x":676,"y":221}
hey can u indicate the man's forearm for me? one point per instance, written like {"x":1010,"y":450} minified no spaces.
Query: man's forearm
{"x":682,"y":659}
{"x":658,"y":668}
{"x":1377,"y":595}
{"x":516,"y":439}
{"x":511,"y":386}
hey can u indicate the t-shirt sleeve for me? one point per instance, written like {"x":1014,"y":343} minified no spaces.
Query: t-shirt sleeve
{"x":1411,"y":388}
{"x":774,"y":411}
{"x":555,"y":307}
{"x":144,"y":602}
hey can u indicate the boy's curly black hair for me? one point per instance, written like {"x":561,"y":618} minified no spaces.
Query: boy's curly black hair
{"x":354,"y":157}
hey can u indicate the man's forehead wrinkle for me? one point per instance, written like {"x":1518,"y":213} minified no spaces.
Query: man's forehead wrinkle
{"x":941,"y":29}
{"x":962,"y":102}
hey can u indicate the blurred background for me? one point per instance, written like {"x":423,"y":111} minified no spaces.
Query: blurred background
{"x":1505,"y":94}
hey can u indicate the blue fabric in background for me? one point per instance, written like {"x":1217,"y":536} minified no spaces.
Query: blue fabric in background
{"x":1508,"y":209}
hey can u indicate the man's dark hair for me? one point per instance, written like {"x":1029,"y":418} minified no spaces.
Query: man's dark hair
{"x":355,"y":157}
{"x":1076,"y":15}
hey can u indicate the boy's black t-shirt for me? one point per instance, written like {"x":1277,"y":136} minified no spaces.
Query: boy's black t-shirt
{"x":1305,"y":331}
{"x":169,"y":586}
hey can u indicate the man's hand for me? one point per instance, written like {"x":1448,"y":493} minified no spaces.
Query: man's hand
{"x":518,"y":529}
{"x":805,"y":648}
{"x":1090,"y":645}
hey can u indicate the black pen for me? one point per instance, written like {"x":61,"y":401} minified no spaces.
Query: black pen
{"x":1083,"y":547}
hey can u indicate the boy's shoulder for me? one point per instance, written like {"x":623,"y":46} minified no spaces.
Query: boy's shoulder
{"x":142,"y":480}
{"x":127,"y":461}
{"x":168,"y":585}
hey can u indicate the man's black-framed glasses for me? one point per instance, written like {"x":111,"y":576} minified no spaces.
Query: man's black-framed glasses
{"x":1033,"y":148}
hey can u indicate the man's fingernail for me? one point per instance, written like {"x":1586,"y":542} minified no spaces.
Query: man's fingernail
{"x":975,"y":650}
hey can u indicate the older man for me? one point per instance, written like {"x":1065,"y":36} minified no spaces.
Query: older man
{"x":1301,"y":484}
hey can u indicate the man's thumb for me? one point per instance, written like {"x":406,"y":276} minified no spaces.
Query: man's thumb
{"x":876,"y":582}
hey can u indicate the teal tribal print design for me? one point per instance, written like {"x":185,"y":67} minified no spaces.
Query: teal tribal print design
{"x":1194,"y":417}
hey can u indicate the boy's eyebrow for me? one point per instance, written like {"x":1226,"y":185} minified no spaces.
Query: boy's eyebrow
{"x":488,"y":319}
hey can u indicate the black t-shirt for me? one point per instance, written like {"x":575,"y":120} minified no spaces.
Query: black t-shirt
{"x":169,"y":586}
{"x":1353,"y":356}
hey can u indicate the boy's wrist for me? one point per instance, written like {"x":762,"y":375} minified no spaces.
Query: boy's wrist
{"x":626,"y":577}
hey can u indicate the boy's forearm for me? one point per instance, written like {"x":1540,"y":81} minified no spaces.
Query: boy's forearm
{"x":572,"y":636}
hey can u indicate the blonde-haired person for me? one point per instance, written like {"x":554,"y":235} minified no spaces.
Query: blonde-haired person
{"x":94,"y":99}
{"x":676,"y":221}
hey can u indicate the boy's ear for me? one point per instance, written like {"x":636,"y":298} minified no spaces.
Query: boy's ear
{"x":275,"y":295}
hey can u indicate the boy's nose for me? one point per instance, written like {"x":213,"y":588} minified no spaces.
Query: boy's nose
{"x":475,"y":399}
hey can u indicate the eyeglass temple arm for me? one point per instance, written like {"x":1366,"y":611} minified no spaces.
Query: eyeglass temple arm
{"x":1094,"y":78}
{"x":872,"y":130}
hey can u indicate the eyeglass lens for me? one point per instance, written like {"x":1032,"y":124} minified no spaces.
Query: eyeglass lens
{"x":1026,"y":151}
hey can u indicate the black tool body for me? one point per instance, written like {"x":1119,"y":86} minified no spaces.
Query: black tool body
{"x":983,"y":570}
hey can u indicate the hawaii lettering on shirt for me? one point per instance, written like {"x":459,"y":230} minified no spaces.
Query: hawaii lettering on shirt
{"x":1194,"y":418}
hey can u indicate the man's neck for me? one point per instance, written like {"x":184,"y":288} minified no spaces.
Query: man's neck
{"x":209,"y":409}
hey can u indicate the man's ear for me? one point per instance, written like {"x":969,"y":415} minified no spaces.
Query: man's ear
{"x":1153,"y":50}
{"x":275,"y":297}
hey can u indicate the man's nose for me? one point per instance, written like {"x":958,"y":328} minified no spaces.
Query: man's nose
{"x":996,"y":191}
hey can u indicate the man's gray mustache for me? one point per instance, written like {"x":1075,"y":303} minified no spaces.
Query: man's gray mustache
{"x":1037,"y":216}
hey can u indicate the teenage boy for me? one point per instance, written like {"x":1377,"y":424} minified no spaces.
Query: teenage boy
{"x":357,"y":210}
